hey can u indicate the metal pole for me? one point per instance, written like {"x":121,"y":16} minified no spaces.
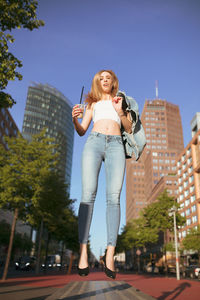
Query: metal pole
{"x":176,"y":247}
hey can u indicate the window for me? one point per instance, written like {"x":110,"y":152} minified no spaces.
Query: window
{"x":2,"y":124}
{"x":191,"y":178}
{"x":181,"y":197}
{"x":193,"y":198}
{"x":194,"y":219}
{"x":185,"y":175}
{"x":186,"y":193}
{"x":187,"y":202}
{"x":193,"y":208}
{"x":178,"y":163}
{"x":3,"y":111}
{"x":188,"y":222}
{"x":184,"y":234}
{"x":183,"y":157}
{"x":179,"y":172}
{"x":183,"y":214}
{"x":180,"y":188}
{"x":188,"y":151}
{"x":179,"y":180}
{"x":182,"y":205}
{"x":189,"y":160}
{"x":190,"y":169}
{"x":192,"y":189}
{"x":6,"y":131}
{"x":185,"y":184}
{"x":187,"y":212}
{"x":184,"y":166}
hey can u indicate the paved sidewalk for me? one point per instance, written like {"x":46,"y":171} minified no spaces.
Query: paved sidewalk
{"x":98,"y":290}
{"x":41,"y":287}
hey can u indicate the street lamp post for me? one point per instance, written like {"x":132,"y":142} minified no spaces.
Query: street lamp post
{"x":173,"y":212}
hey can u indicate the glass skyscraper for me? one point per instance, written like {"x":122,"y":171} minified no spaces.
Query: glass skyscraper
{"x":49,"y":108}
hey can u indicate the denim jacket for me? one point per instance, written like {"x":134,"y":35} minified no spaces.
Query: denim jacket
{"x":134,"y":142}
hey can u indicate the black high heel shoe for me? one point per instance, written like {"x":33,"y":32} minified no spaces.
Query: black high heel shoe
{"x":83,"y":272}
{"x":108,"y":272}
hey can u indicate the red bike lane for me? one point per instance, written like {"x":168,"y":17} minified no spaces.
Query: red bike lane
{"x":161,"y":288}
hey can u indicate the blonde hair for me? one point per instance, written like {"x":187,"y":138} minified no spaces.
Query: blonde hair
{"x":95,"y":93}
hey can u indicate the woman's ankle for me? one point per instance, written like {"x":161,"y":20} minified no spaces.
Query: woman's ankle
{"x":83,"y":260}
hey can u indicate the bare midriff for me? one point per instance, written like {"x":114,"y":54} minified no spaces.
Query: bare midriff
{"x":108,"y":127}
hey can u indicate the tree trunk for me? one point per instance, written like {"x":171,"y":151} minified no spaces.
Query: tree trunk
{"x":166,"y":263}
{"x":37,"y":269}
{"x":62,"y":252}
{"x":10,"y":244}
{"x":70,"y":263}
{"x":47,"y":249}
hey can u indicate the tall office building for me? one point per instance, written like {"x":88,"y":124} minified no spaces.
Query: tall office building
{"x":49,"y":108}
{"x":162,"y":124}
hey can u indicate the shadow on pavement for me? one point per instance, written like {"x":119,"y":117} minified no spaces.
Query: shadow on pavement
{"x":178,"y":290}
{"x":97,"y":292}
{"x":39,"y":298}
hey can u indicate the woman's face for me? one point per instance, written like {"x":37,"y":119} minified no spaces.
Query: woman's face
{"x":106,"y":82}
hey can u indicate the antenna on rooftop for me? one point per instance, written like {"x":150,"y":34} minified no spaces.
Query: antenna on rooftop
{"x":156,"y":89}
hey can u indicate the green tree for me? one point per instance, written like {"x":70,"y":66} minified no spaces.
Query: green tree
{"x":153,"y":219}
{"x":192,"y":241}
{"x":65,"y":229}
{"x":49,"y":201}
{"x":21,"y":242}
{"x":13,"y":14}
{"x":136,"y":234}
{"x":20,"y":166}
{"x":157,"y":213}
{"x":4,"y":233}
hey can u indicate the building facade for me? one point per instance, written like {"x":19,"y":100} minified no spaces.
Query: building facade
{"x":188,"y":173}
{"x":48,"y":108}
{"x":7,"y":126}
{"x":163,"y":128}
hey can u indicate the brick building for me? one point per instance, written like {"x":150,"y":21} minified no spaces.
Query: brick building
{"x":162,"y":124}
{"x":10,"y":129}
{"x":188,"y":173}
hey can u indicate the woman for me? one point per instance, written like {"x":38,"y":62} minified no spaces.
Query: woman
{"x":103,"y":144}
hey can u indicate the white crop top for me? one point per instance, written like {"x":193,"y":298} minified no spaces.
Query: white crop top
{"x":104,"y":109}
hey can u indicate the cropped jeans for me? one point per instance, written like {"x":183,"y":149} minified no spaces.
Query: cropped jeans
{"x":98,"y":148}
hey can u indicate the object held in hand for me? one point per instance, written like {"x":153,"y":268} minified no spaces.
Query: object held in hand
{"x":81,"y":107}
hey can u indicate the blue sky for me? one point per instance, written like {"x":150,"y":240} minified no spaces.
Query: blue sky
{"x":140,"y":40}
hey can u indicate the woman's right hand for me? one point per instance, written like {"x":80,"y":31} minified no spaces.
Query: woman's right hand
{"x":76,"y":111}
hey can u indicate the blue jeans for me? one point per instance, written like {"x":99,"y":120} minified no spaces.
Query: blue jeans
{"x":108,"y":148}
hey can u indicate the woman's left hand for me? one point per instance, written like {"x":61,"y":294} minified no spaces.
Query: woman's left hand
{"x":117,"y":103}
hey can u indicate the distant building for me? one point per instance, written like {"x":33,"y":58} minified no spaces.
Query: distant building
{"x":7,"y":126}
{"x":195,"y":124}
{"x":49,"y":108}
{"x":163,"y":128}
{"x":188,"y":173}
{"x":10,"y":129}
